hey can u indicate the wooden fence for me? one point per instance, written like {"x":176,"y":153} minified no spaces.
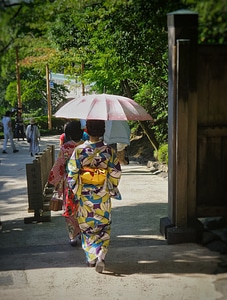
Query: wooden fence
{"x":39,"y":192}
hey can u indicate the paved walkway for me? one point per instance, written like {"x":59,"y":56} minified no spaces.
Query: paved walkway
{"x":36,"y":261}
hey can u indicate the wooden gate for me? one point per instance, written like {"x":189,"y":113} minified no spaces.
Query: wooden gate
{"x":197,"y":130}
{"x":212,"y":131}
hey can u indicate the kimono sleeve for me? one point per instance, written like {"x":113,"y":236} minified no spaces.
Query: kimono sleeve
{"x":73,"y":167}
{"x":114,"y":171}
{"x":57,"y":173}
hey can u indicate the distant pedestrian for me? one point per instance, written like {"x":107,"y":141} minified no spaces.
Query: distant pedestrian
{"x":8,"y":132}
{"x":33,"y":137}
{"x":19,"y":126}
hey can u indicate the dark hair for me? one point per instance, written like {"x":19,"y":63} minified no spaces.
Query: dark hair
{"x":95,"y":127}
{"x":73,"y":131}
{"x":8,"y":113}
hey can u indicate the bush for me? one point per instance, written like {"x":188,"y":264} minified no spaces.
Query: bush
{"x":57,"y":125}
{"x":42,"y":122}
{"x":162,"y":154}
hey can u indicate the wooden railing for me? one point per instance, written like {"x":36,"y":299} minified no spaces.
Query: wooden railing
{"x":39,"y":191}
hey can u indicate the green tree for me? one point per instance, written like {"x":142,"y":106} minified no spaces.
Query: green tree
{"x":212,"y":20}
{"x":20,"y":30}
{"x":122,"y":45}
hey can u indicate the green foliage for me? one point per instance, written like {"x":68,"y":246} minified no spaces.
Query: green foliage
{"x":122,"y":44}
{"x":155,"y":100}
{"x":42,"y":122}
{"x":212,"y":20}
{"x":24,"y":26}
{"x":162,"y":154}
{"x":33,"y":93}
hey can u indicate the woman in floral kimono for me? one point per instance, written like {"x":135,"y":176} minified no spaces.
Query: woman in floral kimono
{"x":58,"y":178}
{"x":94,"y":174}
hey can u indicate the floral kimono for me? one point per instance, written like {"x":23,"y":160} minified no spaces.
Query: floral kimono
{"x":94,"y":199}
{"x":58,"y":177}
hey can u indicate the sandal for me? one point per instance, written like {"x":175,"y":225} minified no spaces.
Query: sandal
{"x":100,"y":265}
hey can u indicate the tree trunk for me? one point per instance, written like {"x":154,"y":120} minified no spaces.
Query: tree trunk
{"x":150,"y":134}
{"x":144,"y":124}
{"x":126,"y":87}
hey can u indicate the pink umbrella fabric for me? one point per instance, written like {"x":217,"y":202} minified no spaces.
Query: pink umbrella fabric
{"x":103,"y":107}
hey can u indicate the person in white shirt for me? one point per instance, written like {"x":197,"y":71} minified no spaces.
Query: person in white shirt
{"x":8,"y":132}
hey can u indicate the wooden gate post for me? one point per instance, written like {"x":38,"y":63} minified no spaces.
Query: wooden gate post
{"x":182,"y":124}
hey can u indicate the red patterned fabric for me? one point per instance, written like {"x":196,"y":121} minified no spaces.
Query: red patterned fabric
{"x":58,"y":177}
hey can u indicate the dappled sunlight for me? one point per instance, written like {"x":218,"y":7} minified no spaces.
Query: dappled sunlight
{"x":136,"y":245}
{"x":141,"y":237}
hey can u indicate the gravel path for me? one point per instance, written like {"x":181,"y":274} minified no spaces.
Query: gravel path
{"x":36,"y":261}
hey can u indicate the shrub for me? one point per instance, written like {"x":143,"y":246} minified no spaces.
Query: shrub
{"x":162,"y":154}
